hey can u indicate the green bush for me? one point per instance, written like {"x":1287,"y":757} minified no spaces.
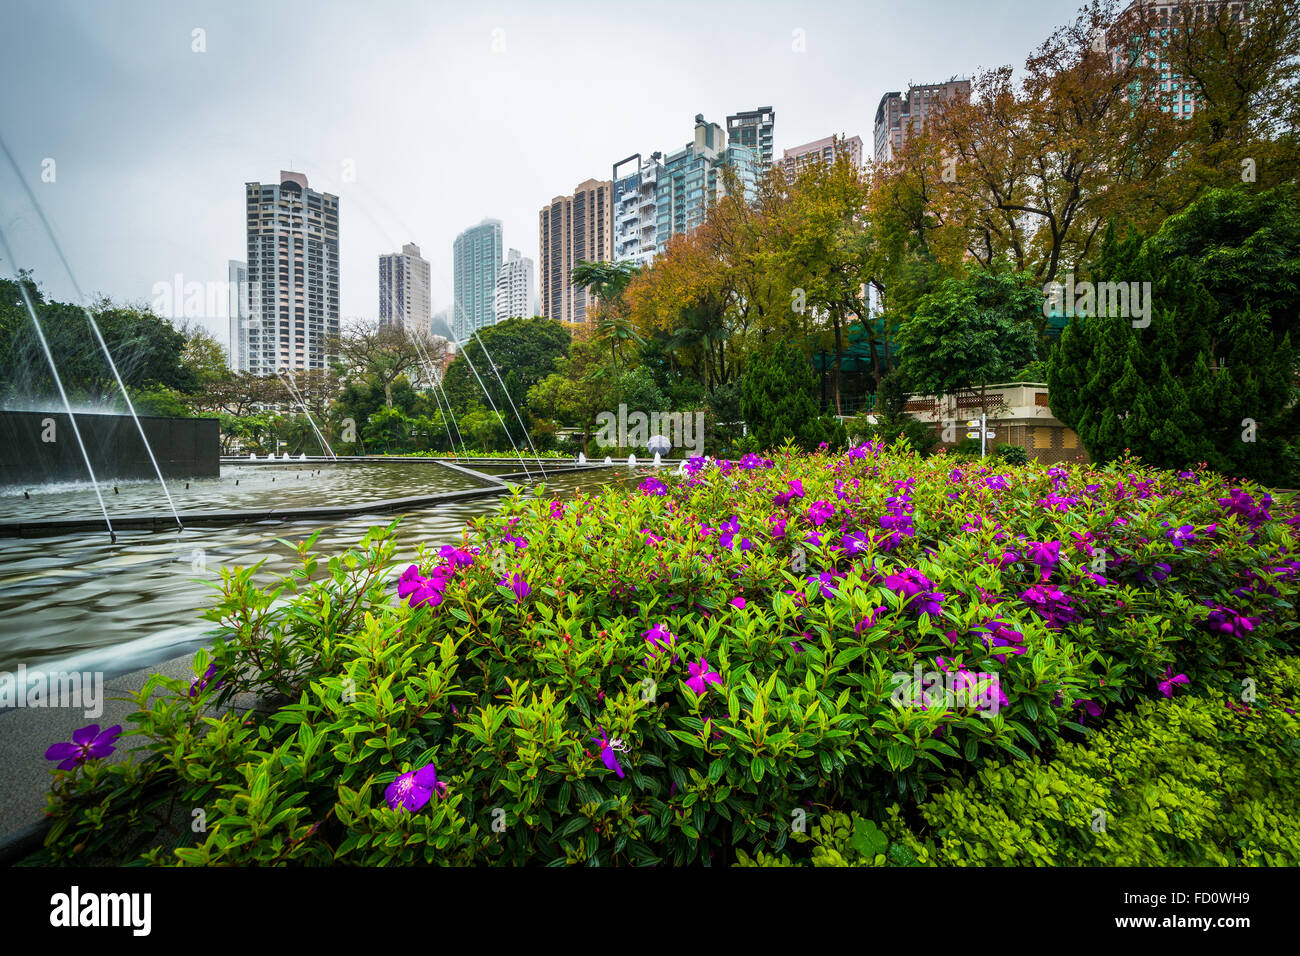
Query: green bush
{"x":1198,"y":781}
{"x":1013,"y":454}
{"x":805,"y":588}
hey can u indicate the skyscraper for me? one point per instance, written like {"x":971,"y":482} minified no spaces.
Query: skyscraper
{"x":237,"y":273}
{"x":293,"y":274}
{"x":691,"y":180}
{"x":633,"y":210}
{"x":476,"y":260}
{"x":820,"y":151}
{"x":1151,"y":23}
{"x":516,"y":296}
{"x":899,"y":117}
{"x":753,"y":128}
{"x":572,"y":229}
{"x":404,"y":289}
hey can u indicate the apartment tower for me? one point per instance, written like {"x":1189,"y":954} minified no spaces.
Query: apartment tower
{"x":404,"y":289}
{"x":516,"y":295}
{"x":476,"y":261}
{"x":293,"y":275}
{"x":900,"y":117}
{"x":572,"y":229}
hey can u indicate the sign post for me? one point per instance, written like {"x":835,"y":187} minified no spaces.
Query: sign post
{"x":983,"y":434}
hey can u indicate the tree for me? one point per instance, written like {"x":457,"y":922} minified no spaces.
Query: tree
{"x":779,"y":402}
{"x":523,"y":351}
{"x":388,"y":352}
{"x":576,"y":392}
{"x":1212,"y":378}
{"x":824,"y":250}
{"x":204,"y":357}
{"x":970,"y":333}
{"x":146,"y":349}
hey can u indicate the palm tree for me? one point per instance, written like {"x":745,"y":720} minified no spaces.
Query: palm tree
{"x":607,"y":281}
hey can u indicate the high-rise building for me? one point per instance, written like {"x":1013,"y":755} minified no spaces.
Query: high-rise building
{"x":441,"y":324}
{"x":820,"y":151}
{"x":516,"y":296}
{"x":404,"y":289}
{"x":293,"y":274}
{"x":633,"y":209}
{"x":572,"y":229}
{"x":1138,"y":23}
{"x":691,"y":179}
{"x":237,"y":274}
{"x":899,"y":117}
{"x":476,"y":260}
{"x":753,"y":128}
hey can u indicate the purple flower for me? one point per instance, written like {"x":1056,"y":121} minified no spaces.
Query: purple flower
{"x":999,"y":634}
{"x":996,"y":483}
{"x":1167,"y":685}
{"x":200,"y":684}
{"x":1244,"y":507}
{"x":795,"y":491}
{"x":411,"y":791}
{"x":1046,"y":555}
{"x":421,"y":591}
{"x":825,"y":581}
{"x":460,"y":558}
{"x":854,"y":544}
{"x":88,"y":743}
{"x":659,"y":636}
{"x":915,"y":590}
{"x":1090,"y":706}
{"x":518,"y":585}
{"x":653,"y":486}
{"x":410,"y":581}
{"x":1182,"y":537}
{"x":777,"y":527}
{"x":819,"y":512}
{"x":701,"y":676}
{"x":1226,"y":621}
{"x":608,"y":749}
{"x":1051,"y":604}
{"x":738,"y":603}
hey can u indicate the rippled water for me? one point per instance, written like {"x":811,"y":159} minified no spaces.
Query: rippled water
{"x":240,"y":488}
{"x":91,"y":605}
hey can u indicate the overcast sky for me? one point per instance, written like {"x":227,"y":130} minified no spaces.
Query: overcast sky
{"x":448,"y":113}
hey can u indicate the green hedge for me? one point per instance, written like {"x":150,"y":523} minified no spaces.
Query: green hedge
{"x":1198,"y":781}
{"x":789,"y":578}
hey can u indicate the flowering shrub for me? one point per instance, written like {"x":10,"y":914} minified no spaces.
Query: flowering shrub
{"x":1202,"y":781}
{"x":668,"y":671}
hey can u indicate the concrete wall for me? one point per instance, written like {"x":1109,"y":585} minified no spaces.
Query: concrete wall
{"x":39,"y":447}
{"x":1018,"y":412}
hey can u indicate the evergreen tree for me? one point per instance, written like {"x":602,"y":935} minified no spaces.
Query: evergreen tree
{"x":1212,"y":378}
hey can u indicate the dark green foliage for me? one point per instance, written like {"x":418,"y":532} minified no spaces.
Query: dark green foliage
{"x":973,"y":331}
{"x":778,"y":399}
{"x":147,"y":349}
{"x":1013,"y":454}
{"x":525,"y":352}
{"x":1215,"y":368}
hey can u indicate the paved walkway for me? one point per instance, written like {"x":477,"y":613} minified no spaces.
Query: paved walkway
{"x":26,"y":733}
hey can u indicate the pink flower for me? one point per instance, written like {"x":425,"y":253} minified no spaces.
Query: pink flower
{"x":1167,"y":685}
{"x":701,"y":676}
